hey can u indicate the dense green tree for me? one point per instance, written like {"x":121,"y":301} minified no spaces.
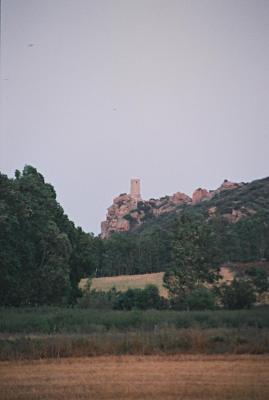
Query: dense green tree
{"x":259,"y":278}
{"x":201,"y":298}
{"x":149,"y":298}
{"x":43,"y":256}
{"x":194,"y":257}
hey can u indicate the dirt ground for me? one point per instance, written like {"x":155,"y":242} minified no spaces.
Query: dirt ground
{"x":132,"y":377}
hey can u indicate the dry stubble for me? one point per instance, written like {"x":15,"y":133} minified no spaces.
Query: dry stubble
{"x":132,"y":377}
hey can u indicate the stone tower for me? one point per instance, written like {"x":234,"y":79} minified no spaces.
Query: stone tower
{"x":135,"y":189}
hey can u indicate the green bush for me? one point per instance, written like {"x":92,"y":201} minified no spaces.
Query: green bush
{"x":259,"y":278}
{"x":98,"y":299}
{"x":142,"y":299}
{"x":239,"y":294}
{"x":201,"y":299}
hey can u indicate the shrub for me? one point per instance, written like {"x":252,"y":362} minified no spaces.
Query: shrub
{"x":98,"y":299}
{"x":239,"y":294}
{"x":201,"y":299}
{"x":259,"y":279}
{"x":142,"y":299}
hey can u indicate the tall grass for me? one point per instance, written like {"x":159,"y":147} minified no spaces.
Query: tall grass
{"x":162,"y":341}
{"x":46,"y":332}
{"x":51,"y":320}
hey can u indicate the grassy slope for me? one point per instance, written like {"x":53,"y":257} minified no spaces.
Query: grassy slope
{"x":124,"y":282}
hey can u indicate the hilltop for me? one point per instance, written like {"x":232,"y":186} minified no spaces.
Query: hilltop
{"x":129,"y":212}
{"x":238,"y":214}
{"x":231,"y":202}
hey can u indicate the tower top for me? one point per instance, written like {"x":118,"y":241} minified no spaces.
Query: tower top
{"x":135,"y":188}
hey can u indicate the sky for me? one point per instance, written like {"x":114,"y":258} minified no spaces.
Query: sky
{"x":93,"y":93}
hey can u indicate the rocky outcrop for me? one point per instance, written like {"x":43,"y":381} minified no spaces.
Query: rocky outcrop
{"x":180,"y":198}
{"x":203,"y":194}
{"x":200,"y":195}
{"x":237,"y":214}
{"x":228,"y":185}
{"x":129,"y":210}
{"x":168,"y":203}
{"x":126,"y":212}
{"x":115,"y":221}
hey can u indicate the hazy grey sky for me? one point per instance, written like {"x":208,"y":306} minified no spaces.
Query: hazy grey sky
{"x":96,"y":92}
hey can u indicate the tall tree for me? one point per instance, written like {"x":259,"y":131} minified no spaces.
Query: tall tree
{"x":43,"y":256}
{"x":194,"y":257}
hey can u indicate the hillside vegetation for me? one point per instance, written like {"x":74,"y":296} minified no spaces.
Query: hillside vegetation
{"x":44,"y":255}
{"x":238,"y":218}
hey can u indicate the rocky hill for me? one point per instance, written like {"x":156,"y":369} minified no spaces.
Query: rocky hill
{"x":237,"y":215}
{"x":127,"y":211}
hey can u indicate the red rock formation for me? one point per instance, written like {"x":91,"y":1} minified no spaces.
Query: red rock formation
{"x":228,"y":185}
{"x":200,"y":195}
{"x":127,"y":212}
{"x":180,"y":198}
{"x":115,"y":221}
{"x":168,"y":203}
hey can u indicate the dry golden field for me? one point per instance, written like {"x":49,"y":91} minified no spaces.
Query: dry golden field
{"x":193,"y":377}
{"x":124,"y":282}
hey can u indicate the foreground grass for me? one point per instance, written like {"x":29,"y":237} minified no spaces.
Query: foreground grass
{"x":161,"y":341}
{"x":47,"y":332}
{"x":130,"y":378}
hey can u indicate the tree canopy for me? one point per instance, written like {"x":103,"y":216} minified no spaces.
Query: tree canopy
{"x":43,"y":255}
